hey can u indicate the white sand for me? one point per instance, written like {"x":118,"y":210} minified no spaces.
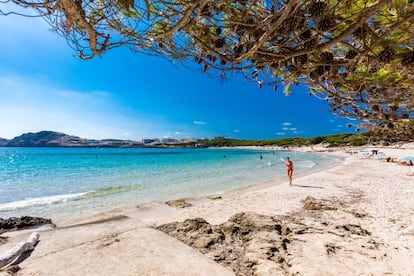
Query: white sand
{"x":372,"y":194}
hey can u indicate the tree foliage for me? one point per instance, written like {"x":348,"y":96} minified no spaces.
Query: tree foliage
{"x":358,"y":55}
{"x":329,"y":141}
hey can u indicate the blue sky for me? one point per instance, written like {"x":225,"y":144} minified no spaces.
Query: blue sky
{"x":126,"y":95}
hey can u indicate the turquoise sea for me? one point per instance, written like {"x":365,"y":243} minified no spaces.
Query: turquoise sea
{"x":69,"y":181}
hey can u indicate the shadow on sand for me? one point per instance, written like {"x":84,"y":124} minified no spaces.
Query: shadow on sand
{"x":308,"y":186}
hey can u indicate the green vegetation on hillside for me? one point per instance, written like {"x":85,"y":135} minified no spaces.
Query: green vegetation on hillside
{"x":329,"y":141}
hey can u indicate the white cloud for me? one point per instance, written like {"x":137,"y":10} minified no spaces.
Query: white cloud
{"x":236,"y":130}
{"x":100,"y":96}
{"x":28,"y":105}
{"x":289,"y":128}
{"x":280,"y":133}
{"x":24,"y":90}
{"x":332,"y":120}
{"x":199,"y":123}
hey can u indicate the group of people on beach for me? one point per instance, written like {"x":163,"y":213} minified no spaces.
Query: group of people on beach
{"x":401,"y":162}
{"x":406,"y":161}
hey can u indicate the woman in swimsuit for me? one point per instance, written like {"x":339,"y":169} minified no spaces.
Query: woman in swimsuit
{"x":289,"y":169}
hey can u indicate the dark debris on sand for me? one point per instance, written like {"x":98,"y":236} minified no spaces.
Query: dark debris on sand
{"x":18,"y":223}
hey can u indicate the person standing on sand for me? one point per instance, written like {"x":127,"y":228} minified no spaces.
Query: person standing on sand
{"x":289,"y":169}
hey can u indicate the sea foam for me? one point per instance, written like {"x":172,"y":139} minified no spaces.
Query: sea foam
{"x":305,"y":164}
{"x":39,"y":201}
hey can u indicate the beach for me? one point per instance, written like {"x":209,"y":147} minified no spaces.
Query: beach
{"x":356,"y":218}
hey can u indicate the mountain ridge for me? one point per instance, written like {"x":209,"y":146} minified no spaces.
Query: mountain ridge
{"x":48,"y":138}
{"x":3,"y":142}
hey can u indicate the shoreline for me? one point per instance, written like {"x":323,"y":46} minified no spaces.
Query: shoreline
{"x":155,"y":210}
{"x":224,"y":183}
{"x":73,"y":195}
{"x":355,"y":218}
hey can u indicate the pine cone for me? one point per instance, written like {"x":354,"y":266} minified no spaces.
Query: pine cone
{"x":351,"y":54}
{"x":325,"y":24}
{"x":317,"y":8}
{"x":219,"y":43}
{"x":386,"y":55}
{"x":238,"y":49}
{"x":319,"y":70}
{"x":305,"y":35}
{"x":302,"y":59}
{"x":326,"y":57}
{"x":408,"y":59}
{"x":310,"y":44}
{"x":218,"y":31}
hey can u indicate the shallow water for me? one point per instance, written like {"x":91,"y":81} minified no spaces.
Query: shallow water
{"x":70,"y":181}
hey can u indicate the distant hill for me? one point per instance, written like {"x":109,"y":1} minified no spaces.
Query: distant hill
{"x":46,"y":139}
{"x":3,"y":142}
{"x":58,"y":139}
